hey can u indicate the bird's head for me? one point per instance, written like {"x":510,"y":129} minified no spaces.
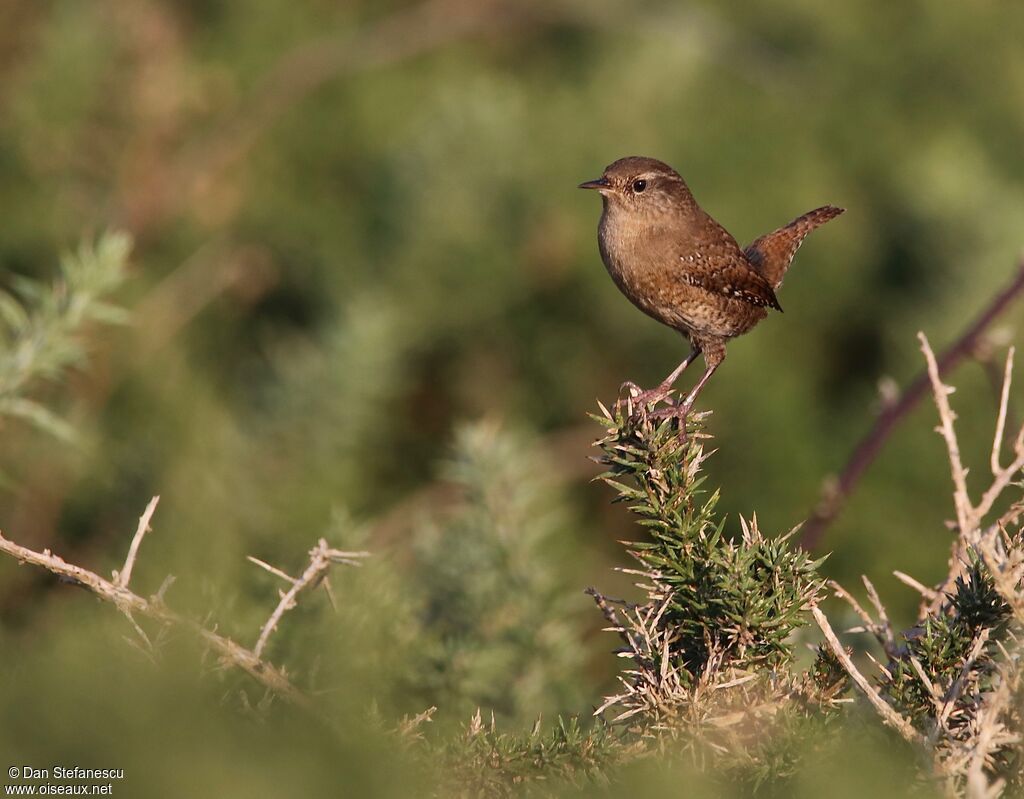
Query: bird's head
{"x":642,"y":186}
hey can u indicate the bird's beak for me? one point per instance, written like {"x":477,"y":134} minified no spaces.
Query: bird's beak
{"x":599,"y":184}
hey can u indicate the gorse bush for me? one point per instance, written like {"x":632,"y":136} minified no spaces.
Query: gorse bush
{"x":711,"y":647}
{"x":486,"y":762}
{"x":972,"y":615}
{"x":710,"y":681}
{"x":955,"y":675}
{"x":734,"y":602}
{"x":464,"y":617}
{"x":950,"y":685}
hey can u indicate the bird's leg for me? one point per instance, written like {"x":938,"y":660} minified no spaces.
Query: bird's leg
{"x":684,"y":407}
{"x":713,"y":357}
{"x":641,"y":399}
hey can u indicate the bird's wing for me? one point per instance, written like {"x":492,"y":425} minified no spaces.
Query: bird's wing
{"x":737,"y":281}
{"x":772,"y":253}
{"x":718,"y":266}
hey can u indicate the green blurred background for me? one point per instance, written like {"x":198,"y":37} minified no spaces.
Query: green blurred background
{"x":367,"y":303}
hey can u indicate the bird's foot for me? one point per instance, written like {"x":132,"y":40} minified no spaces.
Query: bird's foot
{"x":679,"y":411}
{"x":638,"y":400}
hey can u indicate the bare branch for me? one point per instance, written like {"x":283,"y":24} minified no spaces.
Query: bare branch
{"x":837,"y":489}
{"x":125,"y":574}
{"x":321,"y":558}
{"x":870,"y":625}
{"x":946,"y":429}
{"x":330,"y":594}
{"x":1002,"y":480}
{"x":1004,"y":402}
{"x":272,"y":569}
{"x":971,"y":724}
{"x":128,"y":603}
{"x":888,"y":714}
{"x":979,"y":786}
{"x":926,"y":592}
{"x":889,"y":641}
{"x":162,"y":590}
{"x":956,"y":689}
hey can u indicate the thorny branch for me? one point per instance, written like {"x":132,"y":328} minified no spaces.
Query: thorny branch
{"x":321,"y":558}
{"x":962,"y":502}
{"x":125,"y":575}
{"x":837,"y":490}
{"x":969,"y":515}
{"x":967,"y":728}
{"x":889,"y":716}
{"x":116,"y":592}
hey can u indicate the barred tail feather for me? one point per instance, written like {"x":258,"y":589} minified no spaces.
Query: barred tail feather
{"x":772,"y":254}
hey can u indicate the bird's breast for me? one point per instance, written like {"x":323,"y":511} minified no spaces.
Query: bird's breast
{"x":630,"y":253}
{"x":649,"y":264}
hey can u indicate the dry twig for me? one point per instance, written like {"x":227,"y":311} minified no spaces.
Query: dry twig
{"x":927,"y":593}
{"x":122,"y":577}
{"x":129,"y":603}
{"x":889,"y":716}
{"x":969,"y":515}
{"x":321,"y":558}
{"x":839,"y":488}
{"x":971,"y":715}
{"x":941,"y":392}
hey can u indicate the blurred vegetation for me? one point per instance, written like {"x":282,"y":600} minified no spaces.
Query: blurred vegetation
{"x":41,"y":322}
{"x":366,"y":302}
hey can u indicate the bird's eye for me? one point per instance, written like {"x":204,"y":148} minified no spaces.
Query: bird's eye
{"x":639,"y":186}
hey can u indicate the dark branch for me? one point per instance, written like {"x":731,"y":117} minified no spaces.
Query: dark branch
{"x":835,"y":493}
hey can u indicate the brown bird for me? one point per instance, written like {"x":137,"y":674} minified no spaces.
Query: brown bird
{"x":678,"y":265}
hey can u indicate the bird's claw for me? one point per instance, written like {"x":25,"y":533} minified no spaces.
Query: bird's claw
{"x":679,"y":411}
{"x":627,"y":403}
{"x":638,"y":404}
{"x":630,"y":390}
{"x":637,"y":400}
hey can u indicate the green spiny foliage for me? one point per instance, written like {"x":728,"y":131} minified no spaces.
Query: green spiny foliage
{"x":828,"y":675}
{"x":40,"y":325}
{"x":942,"y":646}
{"x":710,"y":648}
{"x":976,"y":602}
{"x":484,"y":762}
{"x":739,"y":599}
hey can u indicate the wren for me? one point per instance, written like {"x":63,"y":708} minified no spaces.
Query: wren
{"x":678,"y":265}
